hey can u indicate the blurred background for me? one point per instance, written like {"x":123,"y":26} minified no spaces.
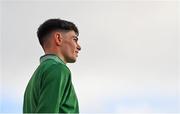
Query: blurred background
{"x":130,"y":57}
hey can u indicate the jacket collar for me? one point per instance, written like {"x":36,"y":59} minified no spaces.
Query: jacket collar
{"x":51,"y":56}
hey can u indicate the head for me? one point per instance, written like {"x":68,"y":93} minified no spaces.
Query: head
{"x":59,"y":37}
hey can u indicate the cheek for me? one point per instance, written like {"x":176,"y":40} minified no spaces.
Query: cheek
{"x":69,"y":48}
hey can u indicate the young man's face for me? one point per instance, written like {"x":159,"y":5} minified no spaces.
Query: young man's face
{"x":70,"y":47}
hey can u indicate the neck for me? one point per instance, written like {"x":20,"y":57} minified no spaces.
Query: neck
{"x":55,"y":53}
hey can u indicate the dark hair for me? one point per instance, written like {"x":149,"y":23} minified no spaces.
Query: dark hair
{"x":51,"y":25}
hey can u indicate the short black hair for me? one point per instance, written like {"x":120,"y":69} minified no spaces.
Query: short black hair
{"x":51,"y":25}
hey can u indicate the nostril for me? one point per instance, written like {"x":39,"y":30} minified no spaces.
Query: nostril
{"x":79,"y":48}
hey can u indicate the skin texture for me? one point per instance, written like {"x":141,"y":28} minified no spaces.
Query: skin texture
{"x":63,"y":44}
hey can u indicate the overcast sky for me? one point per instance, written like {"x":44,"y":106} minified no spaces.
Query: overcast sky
{"x":129,"y":60}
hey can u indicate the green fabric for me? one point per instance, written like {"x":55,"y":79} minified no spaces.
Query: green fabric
{"x":50,"y":89}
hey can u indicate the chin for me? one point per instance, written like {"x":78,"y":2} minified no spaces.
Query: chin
{"x":71,"y":60}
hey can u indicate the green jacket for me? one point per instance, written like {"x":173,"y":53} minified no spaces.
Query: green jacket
{"x":50,"y":89}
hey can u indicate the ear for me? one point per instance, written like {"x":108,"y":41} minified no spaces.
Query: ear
{"x":58,"y":38}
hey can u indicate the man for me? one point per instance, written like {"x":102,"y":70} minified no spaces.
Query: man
{"x":50,"y":89}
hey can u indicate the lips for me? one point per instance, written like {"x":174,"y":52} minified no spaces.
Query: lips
{"x":76,"y":53}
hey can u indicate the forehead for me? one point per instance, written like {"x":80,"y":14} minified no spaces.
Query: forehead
{"x":71,"y":33}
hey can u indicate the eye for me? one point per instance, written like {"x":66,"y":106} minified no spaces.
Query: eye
{"x":75,"y":39}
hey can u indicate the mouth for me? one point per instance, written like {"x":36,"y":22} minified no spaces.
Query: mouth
{"x":76,"y":53}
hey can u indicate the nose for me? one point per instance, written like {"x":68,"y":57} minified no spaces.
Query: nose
{"x":78,"y":47}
